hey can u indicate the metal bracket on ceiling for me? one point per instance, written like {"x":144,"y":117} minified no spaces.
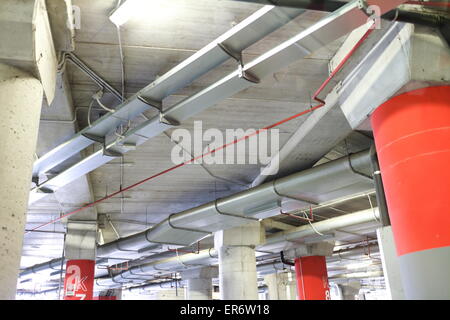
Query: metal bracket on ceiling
{"x":247,"y":75}
{"x":291,"y":197}
{"x":232,"y":214}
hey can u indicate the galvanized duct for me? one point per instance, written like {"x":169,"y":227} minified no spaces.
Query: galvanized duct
{"x":284,"y":239}
{"x":262,"y":269}
{"x":147,"y":272}
{"x":329,"y":181}
{"x":330,"y":28}
{"x":326,"y":182}
{"x":229,"y":45}
{"x":208,"y":257}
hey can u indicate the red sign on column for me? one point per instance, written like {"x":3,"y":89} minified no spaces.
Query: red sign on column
{"x":79,"y":281}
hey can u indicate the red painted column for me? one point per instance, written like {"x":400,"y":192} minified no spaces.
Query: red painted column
{"x":312,"y":278}
{"x":79,"y":280}
{"x":412,"y":137}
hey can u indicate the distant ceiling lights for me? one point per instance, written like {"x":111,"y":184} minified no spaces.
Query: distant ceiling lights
{"x":150,"y":9}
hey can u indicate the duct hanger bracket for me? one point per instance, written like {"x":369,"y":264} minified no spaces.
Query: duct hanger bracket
{"x":247,"y":75}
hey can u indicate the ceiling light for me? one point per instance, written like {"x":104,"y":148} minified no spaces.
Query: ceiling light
{"x":151,"y":10}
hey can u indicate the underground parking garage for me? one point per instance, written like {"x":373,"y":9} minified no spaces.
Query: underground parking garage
{"x":224,"y":150}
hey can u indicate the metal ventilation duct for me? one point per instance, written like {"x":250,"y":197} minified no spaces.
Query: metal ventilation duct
{"x":332,"y":27}
{"x":240,"y":37}
{"x":326,"y":182}
{"x":146,"y":272}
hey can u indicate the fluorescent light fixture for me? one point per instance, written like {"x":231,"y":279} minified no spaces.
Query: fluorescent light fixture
{"x":151,"y":10}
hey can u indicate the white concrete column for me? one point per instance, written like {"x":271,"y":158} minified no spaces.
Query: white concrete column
{"x":237,"y":261}
{"x":199,"y":283}
{"x":281,"y":286}
{"x":390,"y":263}
{"x":20,"y":107}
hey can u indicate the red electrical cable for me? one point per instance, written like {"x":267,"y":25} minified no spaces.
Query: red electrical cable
{"x":315,"y":97}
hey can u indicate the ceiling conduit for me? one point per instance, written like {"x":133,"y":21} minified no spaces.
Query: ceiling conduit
{"x":330,"y":28}
{"x":146,"y":272}
{"x":329,"y":181}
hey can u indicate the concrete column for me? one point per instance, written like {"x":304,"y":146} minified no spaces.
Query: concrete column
{"x":412,"y":137}
{"x":20,"y":106}
{"x":390,"y":263}
{"x":80,"y":253}
{"x":237,"y":261}
{"x":281,"y":286}
{"x":199,"y":283}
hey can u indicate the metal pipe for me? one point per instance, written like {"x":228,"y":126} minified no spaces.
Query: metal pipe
{"x":335,"y":179}
{"x":325,"y":226}
{"x":139,"y":274}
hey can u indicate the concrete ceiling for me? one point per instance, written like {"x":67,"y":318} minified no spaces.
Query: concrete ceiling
{"x":151,"y":47}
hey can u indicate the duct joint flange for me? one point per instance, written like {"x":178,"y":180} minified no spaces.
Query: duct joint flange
{"x":355,"y":171}
{"x":232,"y":214}
{"x":185,"y":229}
{"x":154,"y":104}
{"x":290,"y":197}
{"x":230,"y":52}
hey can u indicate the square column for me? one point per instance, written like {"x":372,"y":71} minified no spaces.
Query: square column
{"x":199,"y":283}
{"x":237,"y":261}
{"x":281,"y":286}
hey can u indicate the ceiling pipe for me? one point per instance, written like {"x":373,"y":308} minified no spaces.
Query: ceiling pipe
{"x":146,"y":272}
{"x":322,"y":227}
{"x":330,"y":181}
